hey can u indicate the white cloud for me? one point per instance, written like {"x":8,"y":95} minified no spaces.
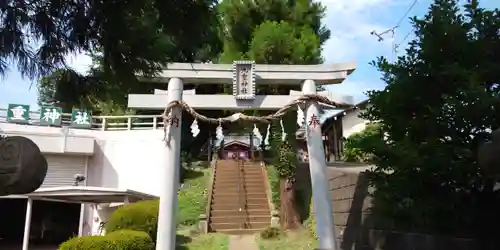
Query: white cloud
{"x":351,"y":22}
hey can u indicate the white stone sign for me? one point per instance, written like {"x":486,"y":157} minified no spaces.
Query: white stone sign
{"x":244,"y":80}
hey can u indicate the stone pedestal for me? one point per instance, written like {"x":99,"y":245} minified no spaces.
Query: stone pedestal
{"x":275,"y":219}
{"x":203,"y":224}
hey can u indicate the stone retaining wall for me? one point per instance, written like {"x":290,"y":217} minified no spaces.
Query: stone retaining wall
{"x":353,"y":224}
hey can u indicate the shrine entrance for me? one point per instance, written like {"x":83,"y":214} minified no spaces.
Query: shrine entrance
{"x":244,"y":76}
{"x":235,"y":150}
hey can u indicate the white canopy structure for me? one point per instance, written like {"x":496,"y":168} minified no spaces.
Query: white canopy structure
{"x":87,"y":194}
{"x":81,"y":195}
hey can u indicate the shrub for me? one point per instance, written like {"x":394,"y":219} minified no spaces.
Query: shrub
{"x":274,"y":183}
{"x":139,"y":216}
{"x":192,"y":199}
{"x":118,"y":240}
{"x":356,"y":144}
{"x":143,"y":215}
{"x":310,"y":223}
{"x":271,"y":233}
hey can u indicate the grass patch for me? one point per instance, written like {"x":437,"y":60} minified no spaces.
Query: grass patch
{"x":193,"y":196}
{"x":212,"y":241}
{"x":274,"y":183}
{"x":300,"y":240}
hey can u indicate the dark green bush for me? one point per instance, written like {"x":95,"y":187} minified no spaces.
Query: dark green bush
{"x":139,"y":216}
{"x":143,"y":215}
{"x":118,"y":240}
{"x":356,"y":144}
{"x":271,"y":233}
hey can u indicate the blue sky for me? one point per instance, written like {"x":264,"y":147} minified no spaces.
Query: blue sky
{"x":351,"y":22}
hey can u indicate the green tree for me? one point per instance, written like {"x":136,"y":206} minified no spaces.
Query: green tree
{"x":133,"y":36}
{"x":124,"y":41}
{"x":275,"y":32}
{"x":357,"y":145}
{"x":442,"y":99}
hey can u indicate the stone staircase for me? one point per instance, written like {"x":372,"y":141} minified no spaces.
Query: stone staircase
{"x":239,"y":202}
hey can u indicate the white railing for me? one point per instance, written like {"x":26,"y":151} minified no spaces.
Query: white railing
{"x":122,"y":122}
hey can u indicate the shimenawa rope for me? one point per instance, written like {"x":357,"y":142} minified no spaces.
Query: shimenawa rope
{"x":239,"y":116}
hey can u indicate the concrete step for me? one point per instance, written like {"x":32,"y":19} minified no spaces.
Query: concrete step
{"x":236,"y":169}
{"x":235,"y":181}
{"x":245,"y":183}
{"x":236,"y":166}
{"x":236,"y":177}
{"x":229,"y":174}
{"x":236,"y":185}
{"x":243,"y":218}
{"x":235,"y":195}
{"x":236,"y":212}
{"x":239,"y":225}
{"x":226,"y":201}
{"x":238,"y":231}
{"x":258,"y":182}
{"x":249,"y":200}
{"x":235,"y":190}
{"x":236,"y":206}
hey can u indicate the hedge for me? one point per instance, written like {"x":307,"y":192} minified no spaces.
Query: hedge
{"x":139,"y":216}
{"x":118,"y":240}
{"x":143,"y":215}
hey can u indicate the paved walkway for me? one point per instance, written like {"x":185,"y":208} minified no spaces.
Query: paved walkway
{"x":242,"y":242}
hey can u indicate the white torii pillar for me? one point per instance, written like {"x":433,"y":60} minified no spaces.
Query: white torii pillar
{"x":27,"y":223}
{"x":319,"y":179}
{"x":165,"y":238}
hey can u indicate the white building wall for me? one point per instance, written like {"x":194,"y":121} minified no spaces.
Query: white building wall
{"x":352,"y":123}
{"x":128,"y":160}
{"x":121,"y":159}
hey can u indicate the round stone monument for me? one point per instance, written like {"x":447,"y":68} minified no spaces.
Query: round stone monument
{"x":22,"y":166}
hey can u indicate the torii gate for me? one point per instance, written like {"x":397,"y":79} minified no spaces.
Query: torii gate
{"x":244,"y":76}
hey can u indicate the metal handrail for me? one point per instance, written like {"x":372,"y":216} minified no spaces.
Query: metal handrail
{"x":208,"y":209}
{"x":106,"y":122}
{"x":247,"y":215}
{"x":238,"y":168}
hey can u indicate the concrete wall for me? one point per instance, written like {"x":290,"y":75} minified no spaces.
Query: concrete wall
{"x":354,"y":225}
{"x":128,"y":160}
{"x":352,"y":123}
{"x":117,"y":159}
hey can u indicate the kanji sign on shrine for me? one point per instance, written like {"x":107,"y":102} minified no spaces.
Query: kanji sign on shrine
{"x":174,"y":121}
{"x":314,"y":121}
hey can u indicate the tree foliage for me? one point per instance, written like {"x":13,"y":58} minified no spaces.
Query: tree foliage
{"x":281,"y":43}
{"x":241,"y":20}
{"x":134,"y":36}
{"x":358,"y":145}
{"x":442,"y":99}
